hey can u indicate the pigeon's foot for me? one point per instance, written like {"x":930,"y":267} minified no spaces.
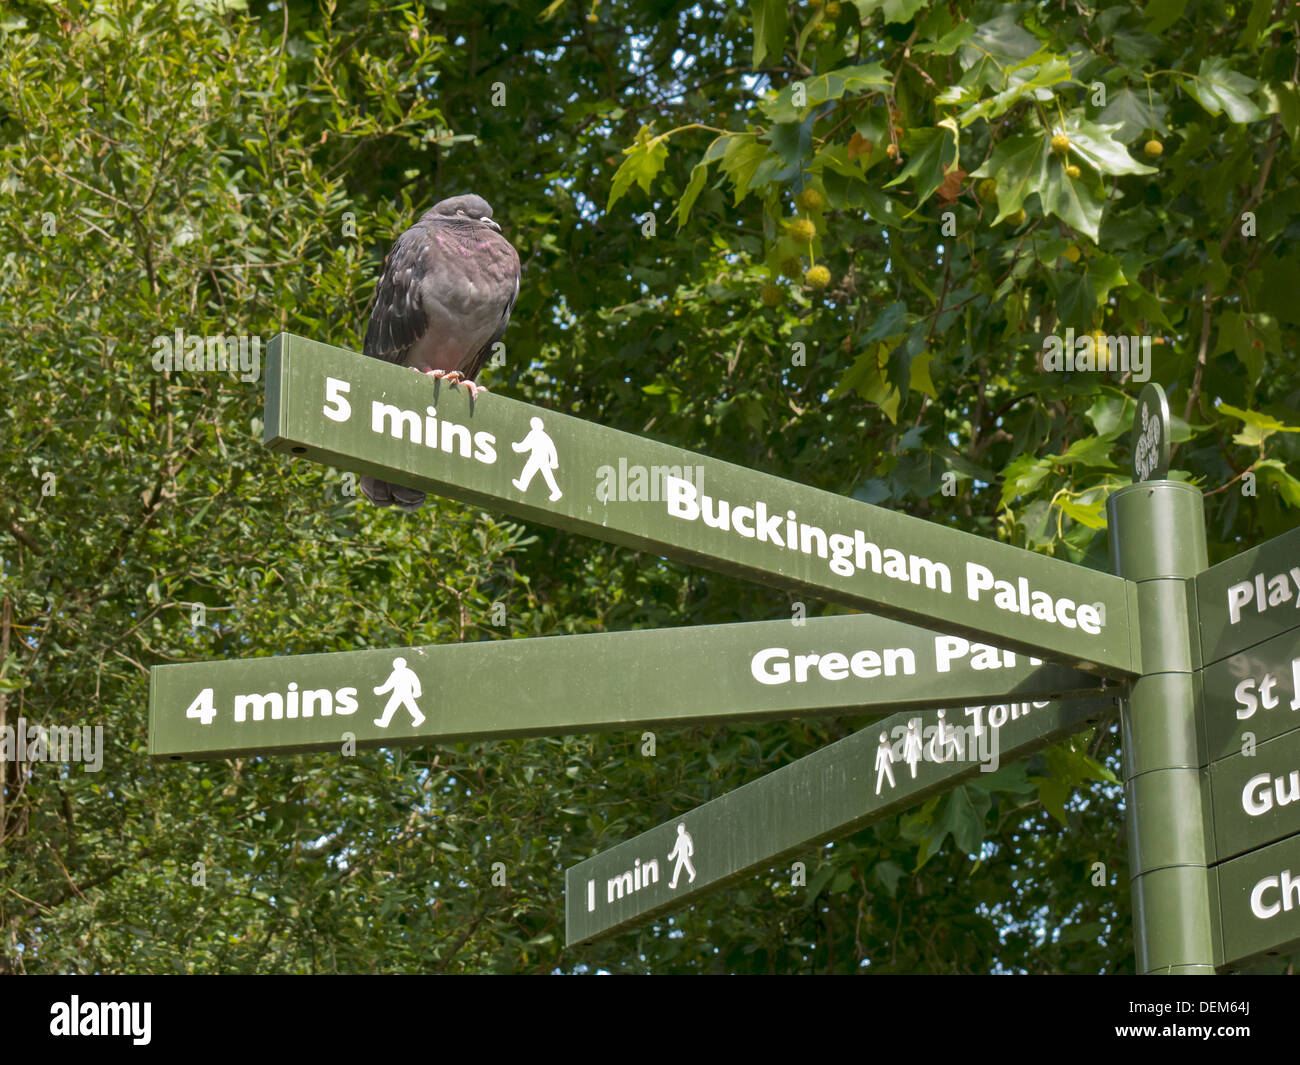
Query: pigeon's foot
{"x":383,"y":494}
{"x":409,"y":499}
{"x":474,"y":389}
{"x":378,"y":492}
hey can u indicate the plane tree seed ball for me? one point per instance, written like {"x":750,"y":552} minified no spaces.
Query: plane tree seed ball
{"x":771,"y":295}
{"x":802,"y":230}
{"x":1071,"y":253}
{"x":1060,"y":144}
{"x":810,"y":199}
{"x":817,"y":277}
{"x":792,"y":268}
{"x":833,"y":9}
{"x":1072,"y":171}
{"x":988,"y":190}
{"x":1154,"y":149}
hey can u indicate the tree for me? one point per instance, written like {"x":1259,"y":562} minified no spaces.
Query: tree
{"x":674,"y":180}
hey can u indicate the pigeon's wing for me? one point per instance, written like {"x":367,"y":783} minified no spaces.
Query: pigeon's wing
{"x":399,"y":319}
{"x":481,"y":357}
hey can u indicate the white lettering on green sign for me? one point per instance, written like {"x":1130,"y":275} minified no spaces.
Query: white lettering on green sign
{"x":847,"y":554}
{"x":776,"y":665}
{"x":1254,"y":692}
{"x":1258,"y":794}
{"x":1287,"y":885}
{"x":1264,"y":593}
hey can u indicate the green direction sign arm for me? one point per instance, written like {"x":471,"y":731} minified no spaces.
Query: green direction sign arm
{"x":1249,"y":597}
{"x":571,"y":684}
{"x":336,"y":407}
{"x":1251,"y":696}
{"x":1259,"y":902}
{"x":875,"y":773}
{"x":1255,"y":796}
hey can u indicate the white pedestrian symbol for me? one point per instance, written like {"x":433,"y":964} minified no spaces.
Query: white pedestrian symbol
{"x":939,"y":740}
{"x":405,"y":686}
{"x":543,"y":459}
{"x":884,"y":762}
{"x":913,"y":747}
{"x":682,"y":851}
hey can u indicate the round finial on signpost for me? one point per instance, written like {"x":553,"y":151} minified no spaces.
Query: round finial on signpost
{"x":1151,"y":435}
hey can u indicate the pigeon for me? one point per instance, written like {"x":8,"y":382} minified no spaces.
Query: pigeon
{"x":445,"y":297}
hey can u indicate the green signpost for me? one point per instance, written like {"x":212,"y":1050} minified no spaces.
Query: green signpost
{"x":1248,"y":612}
{"x":1255,"y":797}
{"x":1251,"y":696}
{"x":1250,"y":597}
{"x":832,"y":793}
{"x":336,"y":407}
{"x":569,"y":684}
{"x":1207,"y":659}
{"x":1259,"y":903}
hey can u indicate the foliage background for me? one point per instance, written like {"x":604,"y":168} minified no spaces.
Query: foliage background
{"x":231,"y":168}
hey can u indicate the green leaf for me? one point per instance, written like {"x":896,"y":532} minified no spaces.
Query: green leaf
{"x":891,"y":322}
{"x":771,"y":24}
{"x":1053,"y":793}
{"x":1105,"y":273}
{"x":1107,"y":414}
{"x":1256,"y":21}
{"x":645,"y":158}
{"x":1030,"y":81}
{"x":961,"y":816}
{"x":817,"y":90}
{"x":1250,"y":337}
{"x":1088,"y":451}
{"x":1259,"y":426}
{"x":1096,"y":145}
{"x":894,"y":10}
{"x":1161,"y":14}
{"x":1273,"y":473}
{"x":948,"y":43}
{"x":1075,"y":201}
{"x":1019,"y":165}
{"x":741,"y":160}
{"x":1090,"y":514}
{"x":1134,"y":115}
{"x":889,"y":874}
{"x":1001,"y":39}
{"x":929,"y":151}
{"x":699,"y":174}
{"x":1221,"y":90}
{"x":1287,"y":97}
{"x":1073,"y":765}
{"x":1022,"y":476}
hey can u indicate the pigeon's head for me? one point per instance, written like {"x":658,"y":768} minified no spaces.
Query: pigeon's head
{"x":468,"y":209}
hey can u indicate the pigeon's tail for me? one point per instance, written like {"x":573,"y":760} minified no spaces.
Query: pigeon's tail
{"x":383,"y":494}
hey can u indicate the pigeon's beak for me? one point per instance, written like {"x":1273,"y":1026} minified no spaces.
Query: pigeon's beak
{"x":488,"y":222}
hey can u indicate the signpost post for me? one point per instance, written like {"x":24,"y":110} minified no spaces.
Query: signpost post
{"x":1208,"y":660}
{"x":1157,"y":535}
{"x":557,"y":685}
